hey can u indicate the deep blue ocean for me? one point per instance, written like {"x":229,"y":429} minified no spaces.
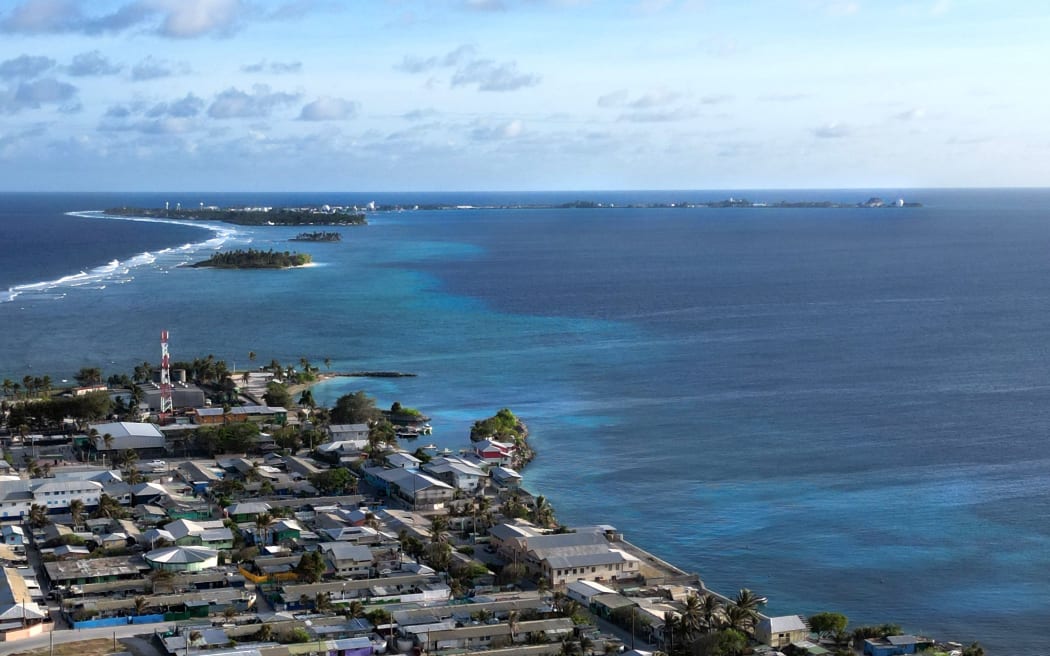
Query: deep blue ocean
{"x":841,"y":409}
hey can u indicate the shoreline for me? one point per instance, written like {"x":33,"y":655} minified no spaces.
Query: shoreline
{"x":103,"y":272}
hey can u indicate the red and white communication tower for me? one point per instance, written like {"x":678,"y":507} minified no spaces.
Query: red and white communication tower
{"x":166,"y":403}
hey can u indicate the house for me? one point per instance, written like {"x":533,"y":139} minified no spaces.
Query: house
{"x":780,"y":632}
{"x":209,"y":416}
{"x":285,"y":529}
{"x":70,"y":552}
{"x":506,"y":477}
{"x":207,"y":533}
{"x":457,"y":472}
{"x":348,"y":560}
{"x":421,"y":491}
{"x":349,"y":432}
{"x":402,"y":460}
{"x":259,"y":414}
{"x":199,"y":475}
{"x":300,"y":467}
{"x":247,"y":511}
{"x":584,"y":591}
{"x":895,"y":645}
{"x":20,"y":616}
{"x":496,"y":453}
{"x":143,"y":438}
{"x":584,"y":554}
{"x":14,"y":536}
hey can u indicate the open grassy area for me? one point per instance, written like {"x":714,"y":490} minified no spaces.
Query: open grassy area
{"x":96,"y":647}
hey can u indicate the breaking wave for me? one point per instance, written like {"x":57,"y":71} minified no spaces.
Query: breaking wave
{"x":122,"y":271}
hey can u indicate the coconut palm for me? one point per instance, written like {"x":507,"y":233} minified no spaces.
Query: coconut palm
{"x":108,"y":507}
{"x":128,"y":458}
{"x":355,"y":609}
{"x":76,"y":511}
{"x":107,"y":441}
{"x":738,"y":618}
{"x":141,"y":605}
{"x":323,"y":602}
{"x":38,"y":516}
{"x":263,"y":522}
{"x":265,"y":633}
{"x":692,"y":616}
{"x":710,"y":608}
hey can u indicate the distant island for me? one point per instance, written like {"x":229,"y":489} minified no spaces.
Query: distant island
{"x":317,"y":236}
{"x":253,"y":259}
{"x":873,"y":202}
{"x":255,"y":216}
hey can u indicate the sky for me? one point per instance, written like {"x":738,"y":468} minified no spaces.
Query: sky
{"x":389,"y":95}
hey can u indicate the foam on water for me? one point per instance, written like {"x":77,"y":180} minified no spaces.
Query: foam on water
{"x":117,"y":271}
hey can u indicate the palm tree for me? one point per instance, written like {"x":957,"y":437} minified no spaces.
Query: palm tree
{"x":748,"y":600}
{"x":141,"y":605}
{"x":738,"y":618}
{"x":76,"y":511}
{"x":323,"y":602}
{"x":38,"y":516}
{"x":692,"y":616}
{"x":251,"y":356}
{"x":107,"y":441}
{"x":229,"y":613}
{"x":265,"y":633}
{"x":128,"y":458}
{"x":710,"y":606}
{"x":8,"y":386}
{"x":263,"y":522}
{"x":328,"y":363}
{"x":355,"y":609}
{"x":108,"y":507}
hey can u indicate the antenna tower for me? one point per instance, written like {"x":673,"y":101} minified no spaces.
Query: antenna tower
{"x":166,"y":403}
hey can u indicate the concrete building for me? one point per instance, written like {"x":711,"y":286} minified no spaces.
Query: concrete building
{"x":20,"y":616}
{"x":143,"y":438}
{"x":182,"y":559}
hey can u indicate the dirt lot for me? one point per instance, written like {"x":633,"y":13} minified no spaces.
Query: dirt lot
{"x":97,"y":647}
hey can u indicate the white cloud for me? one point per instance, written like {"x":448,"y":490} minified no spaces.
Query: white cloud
{"x":328,"y":109}
{"x":832,"y":131}
{"x":234,"y":103}
{"x":91,"y":64}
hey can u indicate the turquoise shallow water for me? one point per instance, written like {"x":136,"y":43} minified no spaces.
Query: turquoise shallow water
{"x":840,"y":409}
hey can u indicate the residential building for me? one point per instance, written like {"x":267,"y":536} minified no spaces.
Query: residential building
{"x":20,"y":616}
{"x":350,"y":432}
{"x":778,"y":632}
{"x":182,"y":559}
{"x":203,"y":533}
{"x":348,"y":560}
{"x":457,"y":472}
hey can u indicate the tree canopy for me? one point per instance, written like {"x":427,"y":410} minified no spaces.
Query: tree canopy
{"x":502,"y":425}
{"x":355,"y":408}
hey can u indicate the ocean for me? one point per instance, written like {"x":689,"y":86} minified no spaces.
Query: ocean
{"x":841,"y":409}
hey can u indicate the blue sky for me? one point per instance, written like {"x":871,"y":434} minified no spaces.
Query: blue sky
{"x":522,"y":94}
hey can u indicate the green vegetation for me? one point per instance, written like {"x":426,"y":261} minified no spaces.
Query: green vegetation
{"x":232,"y":438}
{"x":355,"y":408}
{"x":253,"y":259}
{"x":334,"y":481}
{"x":502,"y":426}
{"x":44,"y":414}
{"x":827,"y":624}
{"x":277,"y":216}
